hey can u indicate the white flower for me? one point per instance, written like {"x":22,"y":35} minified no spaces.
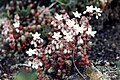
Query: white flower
{"x":68,"y":37}
{"x":56,"y":35}
{"x":90,"y":32}
{"x":80,"y":29}
{"x":36,"y":63}
{"x":36,"y":36}
{"x":16,"y":24}
{"x":76,"y":14}
{"x":89,"y":9}
{"x":30,"y":52}
{"x":58,"y":17}
{"x":97,"y":15}
{"x":70,"y":23}
{"x":97,"y":10}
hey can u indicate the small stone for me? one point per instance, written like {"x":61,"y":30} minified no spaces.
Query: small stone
{"x":113,"y":45}
{"x":107,"y":63}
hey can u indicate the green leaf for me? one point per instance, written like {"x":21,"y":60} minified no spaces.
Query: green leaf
{"x":97,"y":3}
{"x":23,"y":12}
{"x":85,"y":2}
{"x":26,"y":75}
{"x":33,"y":76}
{"x":4,"y":14}
{"x":20,"y":76}
{"x":44,"y":35}
{"x":64,"y":1}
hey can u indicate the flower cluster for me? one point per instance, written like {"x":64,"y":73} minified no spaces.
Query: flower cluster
{"x":67,"y":39}
{"x":93,"y":10}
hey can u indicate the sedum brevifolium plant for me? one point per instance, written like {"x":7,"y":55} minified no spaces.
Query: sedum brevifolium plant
{"x":55,"y":46}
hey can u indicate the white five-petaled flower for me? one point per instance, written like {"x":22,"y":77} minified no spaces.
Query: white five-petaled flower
{"x":56,"y":35}
{"x":35,"y":63}
{"x":97,"y":9}
{"x":36,"y":36}
{"x":58,"y":17}
{"x":70,"y":23}
{"x":76,"y":14}
{"x":89,"y":9}
{"x":64,"y":31}
{"x":80,"y":29}
{"x":98,"y":12}
{"x":68,"y":37}
{"x":90,"y":32}
{"x":30,"y":52}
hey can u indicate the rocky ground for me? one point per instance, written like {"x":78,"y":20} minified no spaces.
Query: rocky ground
{"x":106,"y":47}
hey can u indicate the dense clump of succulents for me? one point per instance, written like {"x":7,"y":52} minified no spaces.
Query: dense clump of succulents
{"x":54,"y":44}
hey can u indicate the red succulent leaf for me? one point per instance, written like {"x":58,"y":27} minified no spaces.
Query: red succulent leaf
{"x":20,"y":27}
{"x":12,"y":45}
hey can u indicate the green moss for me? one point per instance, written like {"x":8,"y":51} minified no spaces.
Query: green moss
{"x":26,"y":76}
